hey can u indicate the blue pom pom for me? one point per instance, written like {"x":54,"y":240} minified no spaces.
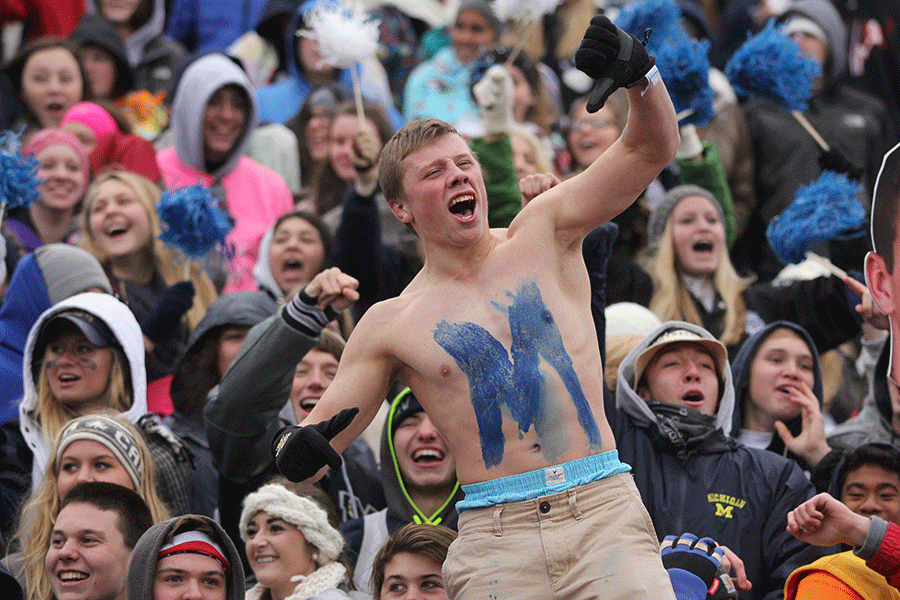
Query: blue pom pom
{"x":826,"y":209}
{"x":769,"y":65}
{"x":662,"y":16}
{"x":192,"y":220}
{"x":684,"y":66}
{"x":18,"y":175}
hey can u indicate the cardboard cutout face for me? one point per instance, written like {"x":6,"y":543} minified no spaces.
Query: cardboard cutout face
{"x":883,"y":264}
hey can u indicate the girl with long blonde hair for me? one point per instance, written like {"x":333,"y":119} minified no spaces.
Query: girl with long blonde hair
{"x":120,"y":227}
{"x":673,"y":271}
{"x":83,"y":356}
{"x":96,"y":447}
{"x":694,"y":280}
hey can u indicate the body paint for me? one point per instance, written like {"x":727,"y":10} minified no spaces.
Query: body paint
{"x":513,"y":379}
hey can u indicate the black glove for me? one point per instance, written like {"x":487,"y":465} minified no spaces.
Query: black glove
{"x":613,"y":58}
{"x":165,"y":318}
{"x":832,"y":160}
{"x":695,"y":568}
{"x":301,"y":451}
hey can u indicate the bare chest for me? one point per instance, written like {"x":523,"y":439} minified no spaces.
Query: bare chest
{"x":499,"y":359}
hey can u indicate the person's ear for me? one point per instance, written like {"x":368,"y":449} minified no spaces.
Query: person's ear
{"x":644,"y":392}
{"x":398,"y":207}
{"x":881,"y":283}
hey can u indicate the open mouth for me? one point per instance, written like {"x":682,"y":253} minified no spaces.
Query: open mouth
{"x":265,"y":559}
{"x":224,"y":131}
{"x":427,"y":456}
{"x":59,"y":192}
{"x":463,"y":206}
{"x":308,"y":404}
{"x":703,"y":246}
{"x":116,"y":231}
{"x":68,"y":576}
{"x":55,"y":106}
{"x":292,"y":265}
{"x":693,"y":397}
{"x":68,"y":378}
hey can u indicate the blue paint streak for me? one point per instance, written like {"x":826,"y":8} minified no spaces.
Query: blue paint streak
{"x":486,"y":363}
{"x":495,"y":380}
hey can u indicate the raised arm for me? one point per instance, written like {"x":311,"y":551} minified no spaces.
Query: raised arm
{"x":347,"y":406}
{"x":647,"y":144}
{"x":241,"y":414}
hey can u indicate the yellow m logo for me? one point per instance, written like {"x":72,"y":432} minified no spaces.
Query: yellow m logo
{"x":724,"y":511}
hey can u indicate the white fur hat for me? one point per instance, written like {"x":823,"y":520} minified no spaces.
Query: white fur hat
{"x":306,"y":515}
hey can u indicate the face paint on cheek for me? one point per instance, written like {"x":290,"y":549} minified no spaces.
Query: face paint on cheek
{"x":82,"y":362}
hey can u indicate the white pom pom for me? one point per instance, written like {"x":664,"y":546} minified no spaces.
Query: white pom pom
{"x":523,"y":10}
{"x":347,"y":34}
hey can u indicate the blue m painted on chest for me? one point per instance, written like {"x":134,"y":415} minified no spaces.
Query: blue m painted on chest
{"x":512,"y":379}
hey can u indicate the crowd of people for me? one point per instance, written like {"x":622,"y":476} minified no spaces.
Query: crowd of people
{"x":492,"y":319}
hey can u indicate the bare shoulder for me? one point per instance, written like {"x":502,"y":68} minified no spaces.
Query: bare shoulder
{"x":536,"y":225}
{"x":389,"y":322}
{"x":381,"y":319}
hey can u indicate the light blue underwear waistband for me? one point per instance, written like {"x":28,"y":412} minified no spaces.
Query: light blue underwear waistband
{"x":543,"y":482}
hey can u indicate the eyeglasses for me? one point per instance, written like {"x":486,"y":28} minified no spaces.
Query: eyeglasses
{"x":595,"y":123}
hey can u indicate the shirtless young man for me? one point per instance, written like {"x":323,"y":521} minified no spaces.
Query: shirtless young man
{"x":492,"y":336}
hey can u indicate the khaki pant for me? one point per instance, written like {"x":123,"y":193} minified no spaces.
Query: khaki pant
{"x":591,"y":542}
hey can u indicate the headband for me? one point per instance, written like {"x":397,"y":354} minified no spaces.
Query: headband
{"x":303,"y":513}
{"x":194,"y":542}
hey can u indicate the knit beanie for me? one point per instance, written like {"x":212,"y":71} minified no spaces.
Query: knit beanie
{"x":110,"y":434}
{"x":630,"y":318}
{"x":54,"y":136}
{"x":404,"y":406}
{"x":483,"y":7}
{"x":94,"y":116}
{"x":802,"y":24}
{"x":660,"y":215}
{"x":303,"y":513}
{"x":69,"y":270}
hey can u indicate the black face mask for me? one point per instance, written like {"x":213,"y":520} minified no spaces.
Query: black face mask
{"x":681,"y":427}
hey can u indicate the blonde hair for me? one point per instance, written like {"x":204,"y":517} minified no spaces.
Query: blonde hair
{"x":541,"y":160}
{"x":53,"y":415}
{"x":39,"y":514}
{"x":617,"y":348}
{"x":164,"y":263}
{"x":673,"y":302}
{"x":573,"y":17}
{"x":410,"y":138}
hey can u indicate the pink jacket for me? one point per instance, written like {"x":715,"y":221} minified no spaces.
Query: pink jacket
{"x":256,"y":196}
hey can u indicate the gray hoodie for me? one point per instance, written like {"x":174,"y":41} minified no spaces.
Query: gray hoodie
{"x":826,"y":16}
{"x":634,"y":406}
{"x":200,"y":80}
{"x":142,"y":568}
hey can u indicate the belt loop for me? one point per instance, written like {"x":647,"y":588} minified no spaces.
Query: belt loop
{"x":498,"y":531}
{"x":573,"y":506}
